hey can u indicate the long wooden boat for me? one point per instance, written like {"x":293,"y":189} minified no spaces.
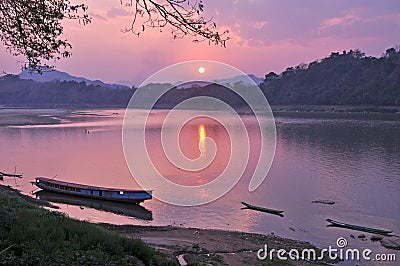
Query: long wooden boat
{"x":111,"y":194}
{"x":262,"y":209}
{"x":358,"y":227}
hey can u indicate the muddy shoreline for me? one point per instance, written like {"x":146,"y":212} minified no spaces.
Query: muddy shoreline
{"x":11,"y":116}
{"x":201,"y":246}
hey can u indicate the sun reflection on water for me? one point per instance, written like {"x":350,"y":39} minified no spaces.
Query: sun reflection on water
{"x":202,"y":139}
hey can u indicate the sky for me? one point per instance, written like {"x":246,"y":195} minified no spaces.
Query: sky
{"x":266,"y":36}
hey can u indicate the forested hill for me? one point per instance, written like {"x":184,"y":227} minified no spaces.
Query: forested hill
{"x":347,"y":78}
{"x":55,"y":94}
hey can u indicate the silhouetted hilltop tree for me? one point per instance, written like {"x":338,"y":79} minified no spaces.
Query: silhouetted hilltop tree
{"x":347,"y":78}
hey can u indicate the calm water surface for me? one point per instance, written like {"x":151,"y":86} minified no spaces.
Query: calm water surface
{"x":351,"y":160}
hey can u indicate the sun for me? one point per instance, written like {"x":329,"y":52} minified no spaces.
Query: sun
{"x":202,"y":70}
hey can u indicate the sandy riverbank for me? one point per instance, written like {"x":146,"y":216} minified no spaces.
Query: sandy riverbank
{"x":215,"y":247}
{"x":22,"y":117}
{"x":38,"y":116}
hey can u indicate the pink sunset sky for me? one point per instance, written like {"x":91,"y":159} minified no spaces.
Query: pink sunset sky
{"x":267,"y":36}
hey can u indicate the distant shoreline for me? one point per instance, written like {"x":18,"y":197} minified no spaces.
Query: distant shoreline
{"x":337,"y":108}
{"x":277,"y":108}
{"x":23,"y":116}
{"x":338,"y":112}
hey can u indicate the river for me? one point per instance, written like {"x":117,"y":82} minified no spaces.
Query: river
{"x":353,"y":160}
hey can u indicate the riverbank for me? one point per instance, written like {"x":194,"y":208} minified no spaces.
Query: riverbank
{"x":386,"y":113}
{"x":21,"y":117}
{"x":31,"y":234}
{"x":42,"y":116}
{"x":13,"y":116}
{"x":216,"y":247}
{"x":337,"y":108}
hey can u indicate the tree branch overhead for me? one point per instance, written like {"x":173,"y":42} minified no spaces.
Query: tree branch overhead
{"x":33,"y":28}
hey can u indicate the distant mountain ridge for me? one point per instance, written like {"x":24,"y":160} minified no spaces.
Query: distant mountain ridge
{"x":348,"y":78}
{"x":50,"y":75}
{"x":243,"y":79}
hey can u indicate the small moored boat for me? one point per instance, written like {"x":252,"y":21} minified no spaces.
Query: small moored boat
{"x":111,"y":194}
{"x":262,"y":209}
{"x":358,"y":227}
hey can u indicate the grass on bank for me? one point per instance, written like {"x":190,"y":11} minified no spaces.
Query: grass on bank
{"x":30,"y":235}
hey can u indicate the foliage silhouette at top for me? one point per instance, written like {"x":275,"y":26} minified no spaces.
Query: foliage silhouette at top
{"x":33,"y":28}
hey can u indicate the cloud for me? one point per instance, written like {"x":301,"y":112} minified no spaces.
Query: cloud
{"x":260,"y":24}
{"x":117,"y":12}
{"x":98,"y":16}
{"x":345,"y":20}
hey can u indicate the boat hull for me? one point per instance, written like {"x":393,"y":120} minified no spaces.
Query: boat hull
{"x":358,"y":227}
{"x":109,"y":194}
{"x":262,"y":209}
